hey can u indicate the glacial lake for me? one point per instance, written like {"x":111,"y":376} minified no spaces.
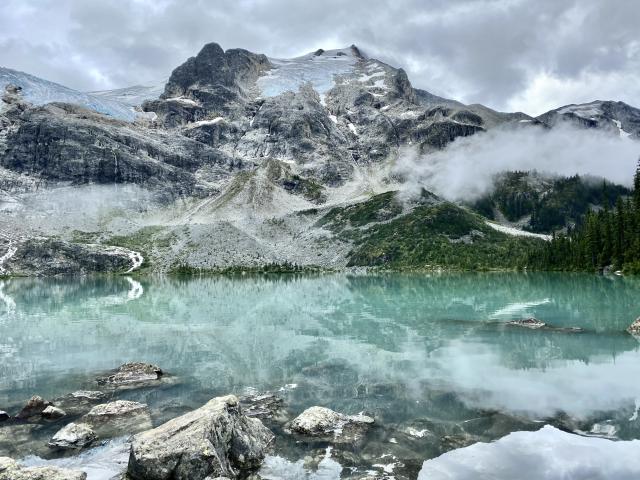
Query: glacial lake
{"x":410,"y":350}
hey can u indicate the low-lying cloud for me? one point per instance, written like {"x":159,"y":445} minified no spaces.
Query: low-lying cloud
{"x":466,"y":169}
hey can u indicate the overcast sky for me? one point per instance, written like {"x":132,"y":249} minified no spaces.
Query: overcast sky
{"x":528,"y":55}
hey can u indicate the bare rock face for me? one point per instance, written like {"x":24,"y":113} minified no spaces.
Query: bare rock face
{"x":49,"y":257}
{"x":35,"y":406}
{"x":11,"y":470}
{"x":324,"y":422}
{"x":214,"y":440}
{"x":73,"y":436}
{"x":634,"y":328}
{"x":132,"y":374}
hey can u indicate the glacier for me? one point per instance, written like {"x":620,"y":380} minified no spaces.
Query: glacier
{"x":39,"y":91}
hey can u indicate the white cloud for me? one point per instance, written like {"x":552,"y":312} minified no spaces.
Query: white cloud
{"x":466,"y":168}
{"x":507,"y":54}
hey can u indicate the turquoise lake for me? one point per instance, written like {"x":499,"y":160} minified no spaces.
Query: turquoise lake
{"x":402,"y":347}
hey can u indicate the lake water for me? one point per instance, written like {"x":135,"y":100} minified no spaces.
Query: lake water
{"x":411,"y":350}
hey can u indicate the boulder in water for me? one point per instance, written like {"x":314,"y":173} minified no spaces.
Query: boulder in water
{"x":35,"y":406}
{"x":4,"y":416}
{"x":12,"y":470}
{"x":263,"y":405}
{"x":531,"y":322}
{"x":323,"y":422}
{"x":634,"y":328}
{"x":73,"y":436}
{"x":53,"y":413}
{"x":119,"y":417}
{"x":132,"y":374}
{"x":214,"y":440}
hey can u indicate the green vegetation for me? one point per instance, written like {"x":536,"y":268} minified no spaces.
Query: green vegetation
{"x":79,"y":236}
{"x":286,"y":267}
{"x":432,"y":235}
{"x":552,"y":203}
{"x":378,"y":208}
{"x":609,"y":237}
{"x":145,"y":241}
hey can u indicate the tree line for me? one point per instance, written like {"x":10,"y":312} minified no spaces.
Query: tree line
{"x":607,"y":238}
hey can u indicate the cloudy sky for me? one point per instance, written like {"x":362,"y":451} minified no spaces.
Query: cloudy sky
{"x":508,"y":54}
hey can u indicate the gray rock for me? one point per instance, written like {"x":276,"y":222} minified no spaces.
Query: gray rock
{"x":12,"y":470}
{"x":49,"y":257}
{"x":73,"y":436}
{"x":634,"y":328}
{"x":119,"y":417}
{"x":132,"y":374}
{"x":80,"y":402}
{"x":53,"y":413}
{"x":107,"y":411}
{"x":214,"y":440}
{"x":262,"y":405}
{"x":35,"y":406}
{"x":90,"y":395}
{"x":324,"y":422}
{"x":532,"y":323}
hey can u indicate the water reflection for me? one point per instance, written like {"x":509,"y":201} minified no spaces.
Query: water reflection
{"x":383,"y":343}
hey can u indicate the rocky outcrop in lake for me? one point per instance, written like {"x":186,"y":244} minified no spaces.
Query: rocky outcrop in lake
{"x":214,"y":440}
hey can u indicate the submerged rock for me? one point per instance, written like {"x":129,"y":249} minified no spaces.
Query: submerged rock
{"x":634,"y":328}
{"x":73,"y":436}
{"x":119,"y":417}
{"x":214,"y":440}
{"x":263,"y":405}
{"x":12,"y":470}
{"x":532,"y":323}
{"x":132,"y":374}
{"x":91,"y":395}
{"x":53,"y":413}
{"x":323,"y":422}
{"x":107,"y":411}
{"x":79,"y":402}
{"x":35,"y":406}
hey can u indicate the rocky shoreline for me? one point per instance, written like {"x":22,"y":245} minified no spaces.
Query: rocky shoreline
{"x":246,"y":436}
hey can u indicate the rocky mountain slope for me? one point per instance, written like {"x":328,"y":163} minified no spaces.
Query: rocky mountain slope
{"x":241,"y":161}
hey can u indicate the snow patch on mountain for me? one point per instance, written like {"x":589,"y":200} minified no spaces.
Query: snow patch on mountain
{"x":133,"y":96}
{"x":588,"y":110}
{"x":319,"y":69}
{"x":40,"y":92}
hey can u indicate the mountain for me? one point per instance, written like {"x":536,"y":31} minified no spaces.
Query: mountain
{"x":544,"y":203}
{"x":617,"y":117}
{"x":239,"y":161}
{"x":132,"y":96}
{"x":38,"y":91}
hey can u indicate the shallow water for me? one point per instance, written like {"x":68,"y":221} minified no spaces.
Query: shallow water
{"x":402,"y":347}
